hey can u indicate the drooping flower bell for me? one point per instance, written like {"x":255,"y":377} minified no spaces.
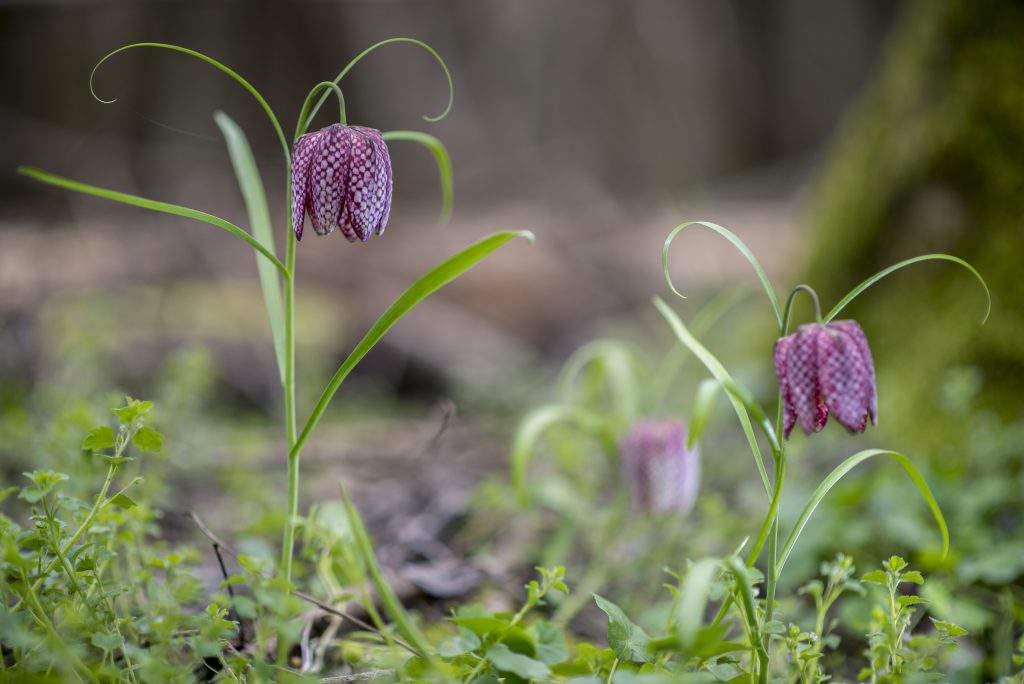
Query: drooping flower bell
{"x":663,"y":475}
{"x":826,"y":369}
{"x":341,"y":178}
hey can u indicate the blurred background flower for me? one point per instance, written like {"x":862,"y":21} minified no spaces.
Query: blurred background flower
{"x":662,"y":473}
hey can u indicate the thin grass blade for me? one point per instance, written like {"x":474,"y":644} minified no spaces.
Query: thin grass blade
{"x":841,"y":470}
{"x":739,"y":571}
{"x":231,"y":73}
{"x":739,"y":245}
{"x":895,"y":267}
{"x":675,"y":358}
{"x":533,"y":425}
{"x":693,"y":599}
{"x":616,"y":362}
{"x":444,"y":165}
{"x":737,"y":398}
{"x":364,"y":53}
{"x":251,"y":185}
{"x":153,"y":205}
{"x":700,"y":414}
{"x":406,"y":627}
{"x":431,"y":282}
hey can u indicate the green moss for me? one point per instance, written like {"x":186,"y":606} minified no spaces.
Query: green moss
{"x":932,"y":159}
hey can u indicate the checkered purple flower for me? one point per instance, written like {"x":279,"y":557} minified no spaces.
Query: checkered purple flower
{"x":826,"y":369}
{"x":341,"y":178}
{"x":662,"y":474}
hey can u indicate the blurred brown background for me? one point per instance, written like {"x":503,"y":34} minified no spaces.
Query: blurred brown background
{"x":599,"y":125}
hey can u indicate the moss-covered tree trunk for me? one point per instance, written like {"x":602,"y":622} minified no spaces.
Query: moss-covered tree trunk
{"x":932,"y":160}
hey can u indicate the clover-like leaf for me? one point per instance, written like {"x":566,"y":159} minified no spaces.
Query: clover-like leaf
{"x":875,"y":577}
{"x":148,"y":440}
{"x":100,"y":437}
{"x":505,"y":659}
{"x":459,"y":644}
{"x":627,"y":639}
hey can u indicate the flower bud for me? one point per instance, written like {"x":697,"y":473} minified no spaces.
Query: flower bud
{"x":663,"y":475}
{"x":341,"y":178}
{"x":826,"y":369}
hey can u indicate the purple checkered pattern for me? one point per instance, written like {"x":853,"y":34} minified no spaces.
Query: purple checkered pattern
{"x":341,"y":178}
{"x":826,"y":369}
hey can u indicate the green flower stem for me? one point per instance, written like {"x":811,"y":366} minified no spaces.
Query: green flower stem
{"x":101,"y":499}
{"x":750,"y":616}
{"x":289,"y":398}
{"x":304,"y":115}
{"x":780,"y":476}
{"x":784,"y":328}
{"x":57,"y":551}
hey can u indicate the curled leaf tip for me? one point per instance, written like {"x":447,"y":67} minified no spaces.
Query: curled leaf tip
{"x":850,"y":296}
{"x":433,"y":53}
{"x":739,"y":245}
{"x":528,"y":236}
{"x":92,"y":76}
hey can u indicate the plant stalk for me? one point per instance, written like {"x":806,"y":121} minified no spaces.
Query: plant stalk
{"x":289,"y":402}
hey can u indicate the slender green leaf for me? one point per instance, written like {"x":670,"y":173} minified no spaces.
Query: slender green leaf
{"x":895,"y":267}
{"x":444,"y":165}
{"x":616,"y":363}
{"x":737,"y":397}
{"x":251,"y":185}
{"x":153,"y":205}
{"x":675,"y":358}
{"x":693,"y":599}
{"x":739,"y":572}
{"x":439,"y":276}
{"x":738,"y":244}
{"x":837,"y":474}
{"x":700,"y":414}
{"x":364,"y":53}
{"x":533,"y":425}
{"x":406,"y":627}
{"x":209,"y":60}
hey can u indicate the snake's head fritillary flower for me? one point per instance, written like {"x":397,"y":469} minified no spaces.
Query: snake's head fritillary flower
{"x":823,"y":370}
{"x":663,"y":475}
{"x":341,"y":178}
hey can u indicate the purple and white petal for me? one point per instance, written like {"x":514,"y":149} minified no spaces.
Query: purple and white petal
{"x":860,"y":340}
{"x":662,"y":474}
{"x":843,"y":378}
{"x":782,"y":347}
{"x":802,"y":375}
{"x":302,"y":157}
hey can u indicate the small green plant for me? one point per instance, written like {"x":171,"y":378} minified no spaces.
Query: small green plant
{"x":823,"y":369}
{"x":892,"y":653}
{"x":806,"y":649}
{"x":340,"y":177}
{"x":491,"y":645}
